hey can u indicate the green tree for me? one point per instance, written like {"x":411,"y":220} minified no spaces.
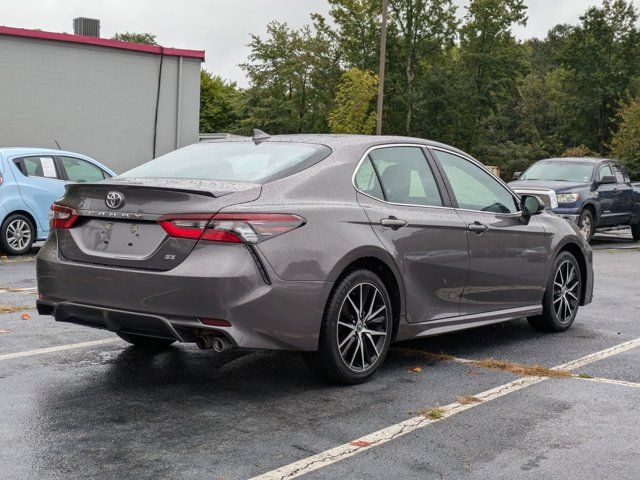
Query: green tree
{"x":602,"y":56}
{"x":355,"y":111}
{"x":493,"y":66}
{"x":146,"y":38}
{"x":625,"y":144}
{"x":293,"y":77}
{"x":221,"y":104}
{"x":425,"y":29}
{"x":358,"y":32}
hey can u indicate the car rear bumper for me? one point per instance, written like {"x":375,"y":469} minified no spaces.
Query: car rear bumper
{"x":221,"y":282}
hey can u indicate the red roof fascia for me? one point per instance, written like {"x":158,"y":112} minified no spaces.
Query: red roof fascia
{"x":101,"y":42}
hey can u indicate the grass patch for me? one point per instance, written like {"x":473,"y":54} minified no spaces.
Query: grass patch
{"x":468,"y":400}
{"x":520,"y":369}
{"x":433,"y":414}
{"x":13,"y":308}
{"x":584,"y":375}
{"x":414,"y":352}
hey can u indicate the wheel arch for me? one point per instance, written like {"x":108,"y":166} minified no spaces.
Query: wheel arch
{"x":380,"y":263}
{"x":31,"y":218}
{"x":594,"y":209}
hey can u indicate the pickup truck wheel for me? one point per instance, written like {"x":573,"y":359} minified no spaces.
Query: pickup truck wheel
{"x":562,"y":296}
{"x":635,"y":232}
{"x":586,"y":225}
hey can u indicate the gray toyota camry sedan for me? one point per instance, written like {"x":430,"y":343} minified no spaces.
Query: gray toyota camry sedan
{"x":335,"y":246}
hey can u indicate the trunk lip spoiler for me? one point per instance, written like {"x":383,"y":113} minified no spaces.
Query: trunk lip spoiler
{"x":200,"y":188}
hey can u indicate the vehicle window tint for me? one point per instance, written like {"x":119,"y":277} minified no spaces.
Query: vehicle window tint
{"x":604,"y":171}
{"x":406,"y":176}
{"x":619,"y":174}
{"x":236,"y":161}
{"x":81,"y":171}
{"x":473,"y":187}
{"x":367,"y":180}
{"x":43,"y":167}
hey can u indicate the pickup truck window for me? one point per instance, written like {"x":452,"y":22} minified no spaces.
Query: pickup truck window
{"x":560,"y":171}
{"x":619,"y":174}
{"x":604,"y":171}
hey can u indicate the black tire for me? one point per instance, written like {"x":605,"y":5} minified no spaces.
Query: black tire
{"x":146,"y":342}
{"x":586,"y":225}
{"x":328,"y":361}
{"x":560,"y":304}
{"x":635,"y":232}
{"x":8,"y":234}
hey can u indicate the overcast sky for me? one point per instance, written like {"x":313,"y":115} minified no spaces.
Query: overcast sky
{"x":222,"y":27}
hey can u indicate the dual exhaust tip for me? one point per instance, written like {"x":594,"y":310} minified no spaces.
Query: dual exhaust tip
{"x":217,"y":343}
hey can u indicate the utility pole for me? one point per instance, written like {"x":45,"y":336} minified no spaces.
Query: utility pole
{"x":383,"y":53}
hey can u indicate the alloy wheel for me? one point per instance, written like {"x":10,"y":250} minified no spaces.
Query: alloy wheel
{"x":585,"y":227}
{"x":566,"y":286}
{"x":362,"y":327}
{"x":18,"y":234}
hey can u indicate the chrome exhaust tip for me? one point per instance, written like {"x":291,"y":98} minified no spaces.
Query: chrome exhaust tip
{"x":204,"y":342}
{"x":220,"y":344}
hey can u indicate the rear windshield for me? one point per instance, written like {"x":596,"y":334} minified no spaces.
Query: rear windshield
{"x":233,"y":161}
{"x":560,"y":171}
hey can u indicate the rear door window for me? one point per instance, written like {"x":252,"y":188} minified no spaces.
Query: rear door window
{"x":406,"y":176}
{"x":41,"y":166}
{"x":81,"y":171}
{"x":367,"y":180}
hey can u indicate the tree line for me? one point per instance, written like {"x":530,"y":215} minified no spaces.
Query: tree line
{"x":462,"y":80}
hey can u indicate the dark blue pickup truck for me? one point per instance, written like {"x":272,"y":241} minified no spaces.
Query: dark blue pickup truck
{"x":594,"y":193}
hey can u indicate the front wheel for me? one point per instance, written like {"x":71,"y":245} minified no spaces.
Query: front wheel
{"x":356,"y":330}
{"x":562,"y":296}
{"x":586,"y":225}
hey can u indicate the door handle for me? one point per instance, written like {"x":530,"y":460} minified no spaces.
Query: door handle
{"x":393,"y":223}
{"x":478,"y":228}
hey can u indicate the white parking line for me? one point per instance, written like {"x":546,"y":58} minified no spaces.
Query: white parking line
{"x":26,"y":290}
{"x":59,"y":348}
{"x":610,"y":381}
{"x":387,"y":434}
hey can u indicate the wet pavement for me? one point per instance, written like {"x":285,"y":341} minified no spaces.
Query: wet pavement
{"x":107,"y":410}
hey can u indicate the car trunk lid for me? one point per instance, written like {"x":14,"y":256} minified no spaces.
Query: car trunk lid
{"x":118,"y":225}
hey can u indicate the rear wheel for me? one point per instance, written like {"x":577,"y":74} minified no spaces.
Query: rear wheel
{"x":586,"y":225}
{"x":145,"y":342}
{"x":17,"y":234}
{"x":356,"y":330}
{"x":562,"y":296}
{"x":635,"y":232}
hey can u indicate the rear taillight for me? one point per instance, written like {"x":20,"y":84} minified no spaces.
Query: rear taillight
{"x":62,"y":218}
{"x":230,"y":227}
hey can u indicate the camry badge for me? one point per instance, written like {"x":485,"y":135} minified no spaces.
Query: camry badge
{"x":114,"y":200}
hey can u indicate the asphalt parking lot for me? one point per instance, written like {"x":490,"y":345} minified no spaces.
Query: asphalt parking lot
{"x":80,"y":403}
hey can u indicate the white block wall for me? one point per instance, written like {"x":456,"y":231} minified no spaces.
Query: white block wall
{"x":95,"y":100}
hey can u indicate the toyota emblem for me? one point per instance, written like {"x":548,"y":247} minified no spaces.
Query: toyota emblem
{"x":114,"y":200}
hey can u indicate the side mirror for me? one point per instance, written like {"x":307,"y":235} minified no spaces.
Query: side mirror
{"x":607,"y":180}
{"x":517,"y":175}
{"x":531,"y":205}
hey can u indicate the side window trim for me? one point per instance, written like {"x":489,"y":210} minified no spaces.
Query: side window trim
{"x":450,"y":192}
{"x":433,"y":168}
{"x":62,"y":172}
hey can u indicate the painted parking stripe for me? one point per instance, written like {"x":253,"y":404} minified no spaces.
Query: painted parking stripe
{"x":26,"y":290}
{"x":610,"y":381}
{"x":388,"y":434}
{"x":59,"y":348}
